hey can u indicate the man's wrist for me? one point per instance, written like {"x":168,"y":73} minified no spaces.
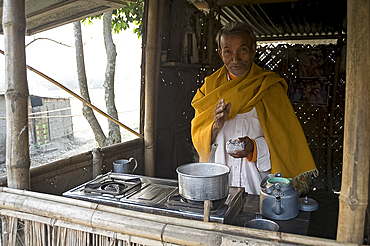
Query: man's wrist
{"x":213,"y":136}
{"x":252,"y":156}
{"x":214,"y":132}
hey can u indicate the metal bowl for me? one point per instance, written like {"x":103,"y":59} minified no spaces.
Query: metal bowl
{"x":262,"y":224}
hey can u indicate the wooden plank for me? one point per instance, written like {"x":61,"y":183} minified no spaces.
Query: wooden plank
{"x":44,"y":15}
{"x":61,"y":7}
{"x":50,"y":9}
{"x":75,"y":13}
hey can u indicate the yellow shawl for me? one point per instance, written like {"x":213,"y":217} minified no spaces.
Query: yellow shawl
{"x":289,"y":152}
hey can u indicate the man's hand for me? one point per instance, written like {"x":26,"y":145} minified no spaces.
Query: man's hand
{"x":248,"y":148}
{"x":220,"y":115}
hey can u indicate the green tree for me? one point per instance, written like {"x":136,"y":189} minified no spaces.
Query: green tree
{"x":116,"y":20}
{"x":123,"y":17}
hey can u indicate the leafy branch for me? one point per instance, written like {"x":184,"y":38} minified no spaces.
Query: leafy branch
{"x":123,"y":17}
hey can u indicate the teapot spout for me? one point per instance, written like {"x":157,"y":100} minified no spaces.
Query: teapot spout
{"x":277,"y":209}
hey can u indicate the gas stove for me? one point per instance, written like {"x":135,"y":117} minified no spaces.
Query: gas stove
{"x":155,"y":195}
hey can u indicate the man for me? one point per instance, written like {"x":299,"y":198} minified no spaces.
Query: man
{"x":242,"y":101}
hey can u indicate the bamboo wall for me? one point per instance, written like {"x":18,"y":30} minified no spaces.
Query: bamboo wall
{"x":320,"y":109}
{"x":185,"y":62}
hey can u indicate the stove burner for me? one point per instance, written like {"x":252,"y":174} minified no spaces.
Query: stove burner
{"x":153,"y":195}
{"x":112,"y":186}
{"x":180,"y":202}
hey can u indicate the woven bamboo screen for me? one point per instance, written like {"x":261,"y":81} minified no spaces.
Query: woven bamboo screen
{"x":316,"y":79}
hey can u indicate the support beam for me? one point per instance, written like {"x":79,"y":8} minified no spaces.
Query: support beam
{"x":353,"y":199}
{"x":229,"y":3}
{"x":97,"y":162}
{"x":151,"y":87}
{"x":16,"y":95}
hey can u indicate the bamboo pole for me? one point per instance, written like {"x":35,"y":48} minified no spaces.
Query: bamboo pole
{"x":16,"y":95}
{"x":82,"y":100}
{"x":353,"y":199}
{"x":151,"y":87}
{"x":223,"y":228}
{"x":62,"y":210}
{"x":207,"y":210}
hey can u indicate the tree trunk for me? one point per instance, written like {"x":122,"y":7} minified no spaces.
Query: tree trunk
{"x":84,"y":90}
{"x":110,"y":49}
{"x":16,"y":95}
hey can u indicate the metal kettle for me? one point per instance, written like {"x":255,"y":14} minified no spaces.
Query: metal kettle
{"x":278,"y":199}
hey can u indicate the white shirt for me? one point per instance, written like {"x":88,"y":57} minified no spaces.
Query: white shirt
{"x":243,"y":173}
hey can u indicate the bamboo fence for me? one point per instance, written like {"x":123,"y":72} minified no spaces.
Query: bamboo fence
{"x":55,"y":220}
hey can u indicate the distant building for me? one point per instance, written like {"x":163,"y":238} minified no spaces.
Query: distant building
{"x":49,"y":119}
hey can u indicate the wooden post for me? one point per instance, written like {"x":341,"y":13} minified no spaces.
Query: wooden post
{"x":97,"y":162}
{"x":16,"y":95}
{"x":151,"y":87}
{"x":353,"y":199}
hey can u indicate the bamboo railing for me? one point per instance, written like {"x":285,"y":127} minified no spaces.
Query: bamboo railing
{"x":135,"y":227}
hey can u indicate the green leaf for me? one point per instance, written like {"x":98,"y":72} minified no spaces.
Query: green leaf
{"x":121,"y":18}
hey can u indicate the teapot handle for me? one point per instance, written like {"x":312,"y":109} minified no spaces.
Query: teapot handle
{"x":132,"y":158}
{"x":263,"y":184}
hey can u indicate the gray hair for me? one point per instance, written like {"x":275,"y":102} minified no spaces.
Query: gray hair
{"x":235,"y":28}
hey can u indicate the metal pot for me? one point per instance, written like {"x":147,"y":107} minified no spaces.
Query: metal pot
{"x":278,"y":199}
{"x":203,"y":181}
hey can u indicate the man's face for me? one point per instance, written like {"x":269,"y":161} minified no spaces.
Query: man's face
{"x":237,"y":53}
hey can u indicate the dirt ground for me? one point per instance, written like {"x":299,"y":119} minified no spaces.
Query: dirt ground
{"x":83,"y":137}
{"x":63,"y":148}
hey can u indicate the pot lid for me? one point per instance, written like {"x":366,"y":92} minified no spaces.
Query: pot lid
{"x":308,"y":204}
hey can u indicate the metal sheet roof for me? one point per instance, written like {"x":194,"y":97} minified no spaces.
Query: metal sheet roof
{"x":281,"y":20}
{"x":270,"y":19}
{"x":42,"y":15}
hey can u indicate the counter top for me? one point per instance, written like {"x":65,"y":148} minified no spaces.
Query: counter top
{"x":298,"y":225}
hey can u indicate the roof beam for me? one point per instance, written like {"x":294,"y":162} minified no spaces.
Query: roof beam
{"x":223,"y":3}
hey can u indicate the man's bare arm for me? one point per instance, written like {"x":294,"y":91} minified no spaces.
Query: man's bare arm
{"x":220,"y":116}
